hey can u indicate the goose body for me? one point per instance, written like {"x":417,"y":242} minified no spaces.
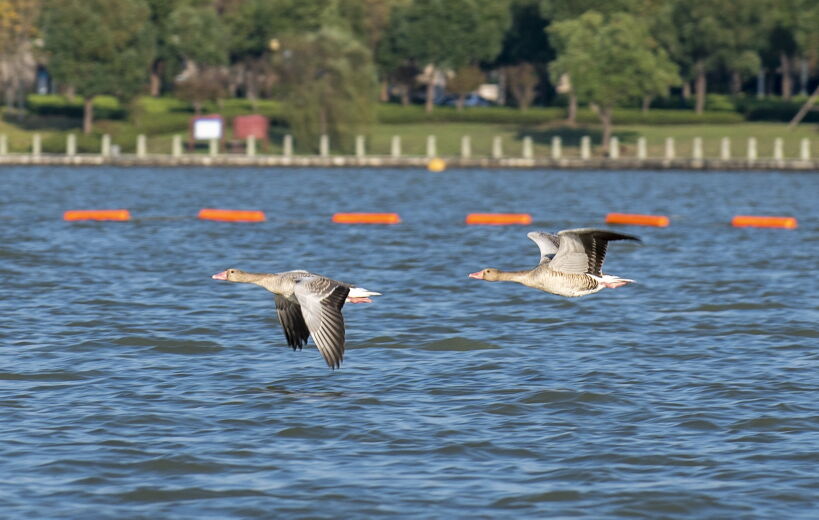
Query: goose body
{"x":307,"y":305}
{"x":570,"y":263}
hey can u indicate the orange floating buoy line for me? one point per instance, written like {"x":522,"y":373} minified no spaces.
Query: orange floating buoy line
{"x":634,"y":219}
{"x":231,"y":215}
{"x":499,"y":219}
{"x":97,"y":214}
{"x":366,"y":218}
{"x":765,"y":222}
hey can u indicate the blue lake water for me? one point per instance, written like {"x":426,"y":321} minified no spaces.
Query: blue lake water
{"x":134,"y":386}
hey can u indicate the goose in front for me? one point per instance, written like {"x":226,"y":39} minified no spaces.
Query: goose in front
{"x":570,"y":263}
{"x":307,"y":304}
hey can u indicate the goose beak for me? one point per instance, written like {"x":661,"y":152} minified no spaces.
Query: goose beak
{"x":477,"y":276}
{"x":220,"y":276}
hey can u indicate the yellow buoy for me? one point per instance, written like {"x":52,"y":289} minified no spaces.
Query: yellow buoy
{"x":436,"y":165}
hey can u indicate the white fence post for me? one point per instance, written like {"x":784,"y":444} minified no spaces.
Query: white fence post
{"x":432,"y":148}
{"x":725,"y":149}
{"x":466,"y":146}
{"x":669,"y":148}
{"x":395,"y":146}
{"x":527,"y":147}
{"x":585,"y":147}
{"x":557,"y":148}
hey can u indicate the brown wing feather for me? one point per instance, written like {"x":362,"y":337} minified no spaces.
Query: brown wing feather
{"x":295,"y":329}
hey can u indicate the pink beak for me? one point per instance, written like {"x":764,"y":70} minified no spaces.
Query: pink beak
{"x":220,"y":276}
{"x":477,"y":276}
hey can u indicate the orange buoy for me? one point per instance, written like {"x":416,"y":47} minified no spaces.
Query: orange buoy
{"x":436,"y":165}
{"x":97,"y":214}
{"x":232,"y":215}
{"x":366,"y":218}
{"x":634,"y":219}
{"x":766,"y":222}
{"x":499,"y":219}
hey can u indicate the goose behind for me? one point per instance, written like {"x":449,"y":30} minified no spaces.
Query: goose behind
{"x":570,"y":263}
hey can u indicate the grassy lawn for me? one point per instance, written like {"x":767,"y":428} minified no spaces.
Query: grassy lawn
{"x":160,"y":127}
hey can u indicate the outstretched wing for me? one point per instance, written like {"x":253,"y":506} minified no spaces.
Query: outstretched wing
{"x":547,"y":243}
{"x":295,"y":330}
{"x":321,"y":300}
{"x":583,"y":250}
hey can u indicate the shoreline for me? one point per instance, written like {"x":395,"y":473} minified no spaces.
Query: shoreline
{"x":353,"y":161}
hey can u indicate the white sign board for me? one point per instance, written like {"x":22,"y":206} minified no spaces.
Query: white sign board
{"x":207,"y":129}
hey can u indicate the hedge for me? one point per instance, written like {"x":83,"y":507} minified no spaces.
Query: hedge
{"x":775,"y":109}
{"x":657,"y":116}
{"x":398,"y":114}
{"x":105,"y":107}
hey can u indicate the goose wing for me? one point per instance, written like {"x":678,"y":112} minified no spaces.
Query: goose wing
{"x":547,"y":243}
{"x":321,"y":300}
{"x":295,"y":330}
{"x":583,"y":250}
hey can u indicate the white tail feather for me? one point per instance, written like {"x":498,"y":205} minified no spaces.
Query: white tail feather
{"x":608,"y":278}
{"x":360,"y":292}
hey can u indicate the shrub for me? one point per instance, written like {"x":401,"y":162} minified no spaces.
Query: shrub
{"x":775,"y":110}
{"x":634,"y":116}
{"x":397,"y":114}
{"x":105,"y":107}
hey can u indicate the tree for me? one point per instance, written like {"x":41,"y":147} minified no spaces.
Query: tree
{"x":197,"y":35}
{"x":561,"y":10}
{"x":448,"y":34}
{"x":17,"y":31}
{"x":98,"y":47}
{"x":160,"y":13}
{"x":743,"y":39}
{"x":465,"y":80}
{"x":368,"y":20}
{"x":328,"y":85}
{"x":522,"y":82}
{"x":604,"y":55}
{"x":792,"y":33}
{"x":525,"y":52}
{"x":696,"y":35}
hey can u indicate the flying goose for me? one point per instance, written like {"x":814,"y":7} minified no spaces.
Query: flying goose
{"x":307,"y":304}
{"x":570,"y":263}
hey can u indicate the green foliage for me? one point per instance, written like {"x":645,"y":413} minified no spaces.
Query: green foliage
{"x":610,"y":62}
{"x":198,"y":34}
{"x":328,"y":86}
{"x":450,"y":33}
{"x":775,"y":109}
{"x":465,"y":80}
{"x":98,"y":46}
{"x":413,"y":114}
{"x":107,"y":107}
{"x":656,"y":116}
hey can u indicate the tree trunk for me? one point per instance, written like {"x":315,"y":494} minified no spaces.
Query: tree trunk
{"x":322,"y":121}
{"x":646,"y":104}
{"x":384,"y":91}
{"x":88,"y":114}
{"x":571,"y":117}
{"x":787,"y":81}
{"x":804,"y":110}
{"x":604,"y":113}
{"x":430,"y":102}
{"x":459,"y":105}
{"x":686,"y":90}
{"x":736,"y":83}
{"x":405,"y":95}
{"x":156,"y":82}
{"x":700,"y":88}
